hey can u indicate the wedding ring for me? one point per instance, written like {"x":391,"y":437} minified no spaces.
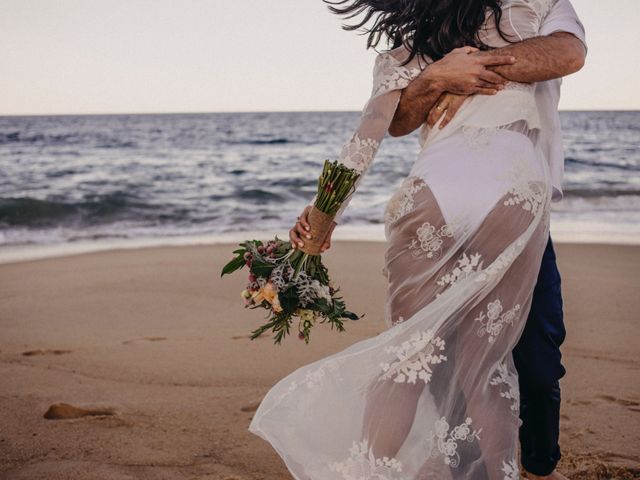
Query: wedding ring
{"x":439,"y":107}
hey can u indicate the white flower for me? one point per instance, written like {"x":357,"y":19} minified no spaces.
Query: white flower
{"x":494,"y":309}
{"x":442,"y":428}
{"x":449,"y":447}
{"x":461,"y":432}
{"x":306,"y":314}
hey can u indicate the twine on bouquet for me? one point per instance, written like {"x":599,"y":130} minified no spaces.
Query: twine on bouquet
{"x":320,"y":224}
{"x":335,"y":184}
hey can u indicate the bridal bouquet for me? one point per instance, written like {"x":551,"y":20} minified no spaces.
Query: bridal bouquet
{"x":293,"y":283}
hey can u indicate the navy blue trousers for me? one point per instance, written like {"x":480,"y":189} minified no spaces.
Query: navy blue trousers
{"x":538,"y":361}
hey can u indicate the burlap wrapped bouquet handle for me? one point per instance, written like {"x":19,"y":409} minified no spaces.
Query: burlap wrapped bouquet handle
{"x":320,"y":224}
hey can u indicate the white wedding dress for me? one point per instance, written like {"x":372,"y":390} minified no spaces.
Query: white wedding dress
{"x":435,"y":396}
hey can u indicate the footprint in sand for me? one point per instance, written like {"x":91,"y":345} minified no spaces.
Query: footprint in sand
{"x":64,"y":411}
{"x":619,"y":401}
{"x":144,"y":339}
{"x":252,"y":407}
{"x":246,"y":337}
{"x":617,"y":456}
{"x":31,"y":353}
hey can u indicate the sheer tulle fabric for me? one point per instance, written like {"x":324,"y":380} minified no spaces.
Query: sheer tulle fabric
{"x":435,"y":395}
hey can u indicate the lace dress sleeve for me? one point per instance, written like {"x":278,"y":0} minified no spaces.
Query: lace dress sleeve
{"x":359,"y":150}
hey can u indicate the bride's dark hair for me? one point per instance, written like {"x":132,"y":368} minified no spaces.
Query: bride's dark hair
{"x":427,"y":27}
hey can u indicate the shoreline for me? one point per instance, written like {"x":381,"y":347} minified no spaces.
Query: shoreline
{"x":343,"y":233}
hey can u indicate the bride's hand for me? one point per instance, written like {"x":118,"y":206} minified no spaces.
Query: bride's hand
{"x":302,"y":230}
{"x":448,"y":104}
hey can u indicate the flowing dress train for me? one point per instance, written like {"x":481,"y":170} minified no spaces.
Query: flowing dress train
{"x":435,"y":396}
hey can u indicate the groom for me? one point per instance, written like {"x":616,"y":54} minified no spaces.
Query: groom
{"x":558,"y":51}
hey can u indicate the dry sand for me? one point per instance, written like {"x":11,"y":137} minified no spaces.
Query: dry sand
{"x":156,"y":343}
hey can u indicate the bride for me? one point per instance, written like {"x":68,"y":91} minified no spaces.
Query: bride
{"x":435,"y":396}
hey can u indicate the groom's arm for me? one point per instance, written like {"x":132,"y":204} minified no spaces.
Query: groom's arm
{"x":558,"y":26}
{"x":558,"y":50}
{"x":537,"y":59}
{"x":541,"y":58}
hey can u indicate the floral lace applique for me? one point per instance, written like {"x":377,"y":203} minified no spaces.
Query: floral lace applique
{"x":313,"y":378}
{"x":358,"y":153}
{"x":522,"y":87}
{"x":529,"y":194}
{"x":510,"y":381}
{"x":527,"y":189}
{"x":502,"y":261}
{"x":389,"y":75}
{"x":402,"y":201}
{"x":414,"y":358}
{"x":363,"y":465}
{"x":430,"y":240}
{"x":447,"y":441}
{"x":465,"y":266}
{"x":511,"y":470}
{"x":478,"y":137}
{"x":494,"y":320}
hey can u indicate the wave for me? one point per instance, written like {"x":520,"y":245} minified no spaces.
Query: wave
{"x":259,"y":194}
{"x":600,"y":192}
{"x":17,"y":137}
{"x":266,"y":141}
{"x":270,"y":141}
{"x":101,"y":141}
{"x":33,"y":212}
{"x":596,"y":163}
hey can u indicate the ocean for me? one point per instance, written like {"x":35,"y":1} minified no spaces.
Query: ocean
{"x":86,"y":182}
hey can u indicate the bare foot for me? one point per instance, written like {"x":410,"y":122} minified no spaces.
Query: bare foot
{"x":555,"y":475}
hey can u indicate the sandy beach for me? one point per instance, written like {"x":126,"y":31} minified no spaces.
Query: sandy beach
{"x":157,"y":345}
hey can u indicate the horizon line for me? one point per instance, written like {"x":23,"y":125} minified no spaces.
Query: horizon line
{"x":208,"y":112}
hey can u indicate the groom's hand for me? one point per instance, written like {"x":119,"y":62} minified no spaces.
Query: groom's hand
{"x":463,"y":73}
{"x":457,"y":72}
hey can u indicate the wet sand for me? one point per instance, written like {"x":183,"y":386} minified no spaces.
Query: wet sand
{"x":150,"y":349}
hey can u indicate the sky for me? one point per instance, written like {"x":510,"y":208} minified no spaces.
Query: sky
{"x":154,"y":56}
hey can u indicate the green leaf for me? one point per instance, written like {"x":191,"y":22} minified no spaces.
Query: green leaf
{"x":261,"y":269}
{"x":233,"y":265}
{"x":289,"y":299}
{"x":321,"y":305}
{"x":351,"y":315}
